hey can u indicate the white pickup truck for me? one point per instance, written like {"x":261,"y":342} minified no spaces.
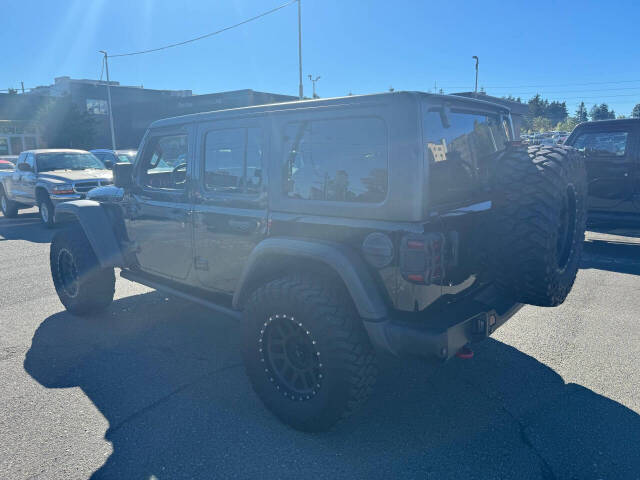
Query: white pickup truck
{"x":48,"y":177}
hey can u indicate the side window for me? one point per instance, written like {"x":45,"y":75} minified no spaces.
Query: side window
{"x":165,"y":162}
{"x":338,"y":160}
{"x":30,"y":160}
{"x":99,"y":155}
{"x":233,"y":160}
{"x":602,"y":143}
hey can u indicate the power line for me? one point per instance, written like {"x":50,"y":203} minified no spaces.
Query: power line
{"x":206,"y":35}
{"x":560,"y":92}
{"x":498,"y":87}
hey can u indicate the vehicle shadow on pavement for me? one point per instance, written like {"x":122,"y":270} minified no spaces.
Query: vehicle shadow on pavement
{"x":167,"y":377}
{"x":26,"y":226}
{"x":612,"y":255}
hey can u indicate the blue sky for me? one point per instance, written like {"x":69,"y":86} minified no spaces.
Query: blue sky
{"x":564,"y":50}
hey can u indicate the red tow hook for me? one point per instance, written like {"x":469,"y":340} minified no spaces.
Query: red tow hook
{"x":465,"y":353}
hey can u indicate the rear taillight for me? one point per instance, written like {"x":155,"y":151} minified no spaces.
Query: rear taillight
{"x":421,"y":258}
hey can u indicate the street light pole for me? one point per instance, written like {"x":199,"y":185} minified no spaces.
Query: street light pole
{"x":313,"y":81}
{"x":301,"y":94}
{"x":106,"y":67}
{"x":476,"y":90}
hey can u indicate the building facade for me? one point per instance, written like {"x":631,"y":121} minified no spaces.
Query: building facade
{"x":135,"y":107}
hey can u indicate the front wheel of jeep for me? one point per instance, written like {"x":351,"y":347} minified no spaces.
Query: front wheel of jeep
{"x":83,"y":286}
{"x":306,"y":352}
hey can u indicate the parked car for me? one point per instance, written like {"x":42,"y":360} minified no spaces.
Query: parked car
{"x":6,"y":165}
{"x":403,"y":222}
{"x":48,"y":177}
{"x":111,"y":157}
{"x":9,"y":158}
{"x":612,"y":155}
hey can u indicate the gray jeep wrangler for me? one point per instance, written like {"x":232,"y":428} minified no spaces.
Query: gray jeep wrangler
{"x":405,"y":223}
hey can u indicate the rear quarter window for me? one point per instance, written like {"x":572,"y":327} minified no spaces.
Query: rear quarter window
{"x":342,"y":160}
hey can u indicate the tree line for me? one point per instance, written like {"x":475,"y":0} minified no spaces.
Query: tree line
{"x":545,"y":115}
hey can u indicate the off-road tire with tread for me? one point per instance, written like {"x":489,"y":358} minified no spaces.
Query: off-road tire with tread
{"x":346,"y":357}
{"x":538,"y":222}
{"x":9,"y":208}
{"x":93,"y":292}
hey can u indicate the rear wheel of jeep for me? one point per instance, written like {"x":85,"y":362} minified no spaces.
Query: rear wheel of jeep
{"x":9,"y":208}
{"x":538,"y":222}
{"x":83,"y":286}
{"x":306,"y":353}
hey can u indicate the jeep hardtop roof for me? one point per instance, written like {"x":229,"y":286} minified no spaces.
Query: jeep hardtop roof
{"x":618,"y":122}
{"x":348,"y":100}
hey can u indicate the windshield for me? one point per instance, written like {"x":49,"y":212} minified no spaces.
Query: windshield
{"x":48,"y":162}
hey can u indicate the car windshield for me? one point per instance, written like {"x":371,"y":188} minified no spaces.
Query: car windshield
{"x":68,"y":161}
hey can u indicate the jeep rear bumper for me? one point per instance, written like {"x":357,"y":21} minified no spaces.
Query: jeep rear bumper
{"x":441,"y":331}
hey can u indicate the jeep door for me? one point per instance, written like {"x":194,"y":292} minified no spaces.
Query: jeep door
{"x":158,"y":210}
{"x":612,"y":166}
{"x":230,"y":202}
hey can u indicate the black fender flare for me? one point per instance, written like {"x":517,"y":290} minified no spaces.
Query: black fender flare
{"x":350,"y":267}
{"x":97,"y":226}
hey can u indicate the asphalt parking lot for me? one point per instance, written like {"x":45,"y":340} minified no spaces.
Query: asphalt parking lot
{"x":154,"y":388}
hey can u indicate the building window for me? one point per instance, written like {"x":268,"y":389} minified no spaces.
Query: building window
{"x":97,"y":107}
{"x":30,"y":143}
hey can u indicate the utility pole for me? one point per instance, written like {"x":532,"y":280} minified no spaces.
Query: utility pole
{"x":476,"y":89}
{"x":22,"y":85}
{"x":106,"y":67}
{"x":313,"y":81}
{"x":300,"y":47}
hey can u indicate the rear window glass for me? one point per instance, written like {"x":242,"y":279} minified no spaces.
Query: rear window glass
{"x":457,"y":145}
{"x":342,"y":160}
{"x":602,"y":143}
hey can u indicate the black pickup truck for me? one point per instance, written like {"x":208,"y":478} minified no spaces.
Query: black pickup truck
{"x":402,"y":222}
{"x":611,"y":150}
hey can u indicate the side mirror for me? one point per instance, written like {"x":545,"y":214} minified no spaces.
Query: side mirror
{"x":24,"y":167}
{"x":123,"y":175}
{"x":108,"y":164}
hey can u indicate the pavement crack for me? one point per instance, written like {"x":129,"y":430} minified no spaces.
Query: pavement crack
{"x":161,"y":400}
{"x":547,"y":471}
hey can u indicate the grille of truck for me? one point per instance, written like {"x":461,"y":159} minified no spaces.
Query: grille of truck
{"x":84,"y":187}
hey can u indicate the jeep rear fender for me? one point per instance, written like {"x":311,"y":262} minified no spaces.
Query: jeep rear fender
{"x":97,"y":226}
{"x":268,"y":256}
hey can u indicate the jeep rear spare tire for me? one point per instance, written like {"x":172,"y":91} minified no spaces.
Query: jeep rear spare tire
{"x":306,"y":352}
{"x":539,"y":215}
